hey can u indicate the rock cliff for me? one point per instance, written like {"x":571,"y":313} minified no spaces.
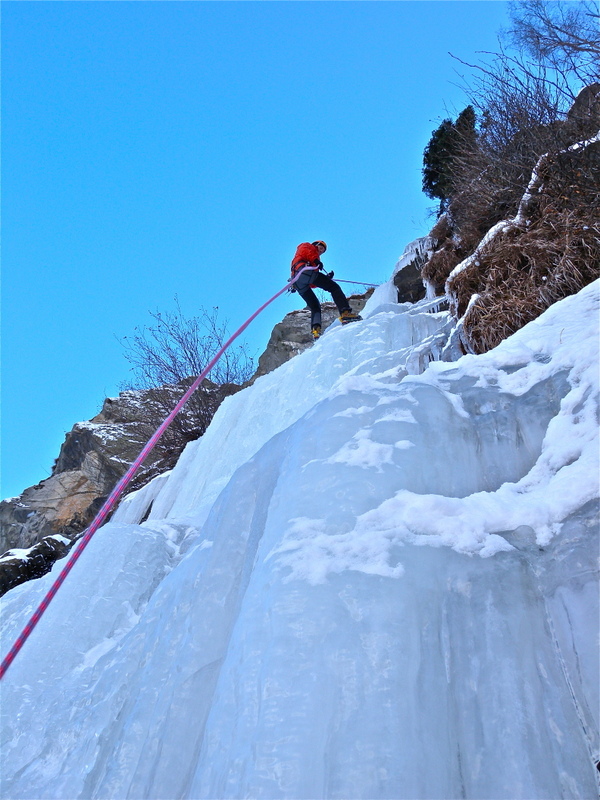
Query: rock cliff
{"x":39,"y":526}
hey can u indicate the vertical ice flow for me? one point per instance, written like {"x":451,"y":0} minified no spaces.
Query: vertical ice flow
{"x":374,"y":577}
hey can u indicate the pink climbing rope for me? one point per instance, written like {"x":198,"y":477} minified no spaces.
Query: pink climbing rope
{"x":357,"y":283}
{"x":116,"y":493}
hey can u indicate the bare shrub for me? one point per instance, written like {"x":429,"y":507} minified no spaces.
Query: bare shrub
{"x":519,"y":124}
{"x":529,"y":102}
{"x":534,"y":164}
{"x":174,"y":347}
{"x":166,"y":357}
{"x":565,"y":36}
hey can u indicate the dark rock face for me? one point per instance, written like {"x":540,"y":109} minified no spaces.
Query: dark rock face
{"x":408,"y":279}
{"x":409,"y":284}
{"x":19,"y":566}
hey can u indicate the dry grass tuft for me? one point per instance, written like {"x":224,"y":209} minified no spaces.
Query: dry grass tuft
{"x":442,"y":230}
{"x":523,"y":271}
{"x":440,"y":265}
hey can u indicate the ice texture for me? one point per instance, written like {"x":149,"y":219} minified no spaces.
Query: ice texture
{"x":375,"y":576}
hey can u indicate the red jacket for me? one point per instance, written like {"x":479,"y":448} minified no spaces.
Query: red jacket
{"x":307,"y":255}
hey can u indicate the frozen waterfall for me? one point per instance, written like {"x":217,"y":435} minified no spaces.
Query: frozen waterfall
{"x":375,"y":576}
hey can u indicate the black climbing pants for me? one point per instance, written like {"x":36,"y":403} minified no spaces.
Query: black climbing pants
{"x":322,"y":282}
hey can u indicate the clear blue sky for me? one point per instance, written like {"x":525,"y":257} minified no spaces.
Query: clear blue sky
{"x":154,"y":149}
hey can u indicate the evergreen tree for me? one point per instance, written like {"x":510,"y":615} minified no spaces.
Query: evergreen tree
{"x":465,"y":128}
{"x":439,"y":158}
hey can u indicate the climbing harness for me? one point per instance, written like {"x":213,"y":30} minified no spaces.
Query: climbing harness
{"x":111,"y":501}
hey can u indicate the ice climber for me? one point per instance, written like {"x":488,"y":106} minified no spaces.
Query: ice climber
{"x":309,"y":255}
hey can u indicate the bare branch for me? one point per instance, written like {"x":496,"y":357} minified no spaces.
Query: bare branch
{"x":169,"y":353}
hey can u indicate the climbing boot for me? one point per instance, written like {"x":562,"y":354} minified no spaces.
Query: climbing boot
{"x":316,"y":332}
{"x":349,"y":316}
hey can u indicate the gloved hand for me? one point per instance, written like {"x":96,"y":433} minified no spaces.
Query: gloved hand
{"x":329,"y":274}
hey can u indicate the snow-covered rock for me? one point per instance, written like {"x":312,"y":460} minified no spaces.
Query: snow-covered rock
{"x":293,"y":335}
